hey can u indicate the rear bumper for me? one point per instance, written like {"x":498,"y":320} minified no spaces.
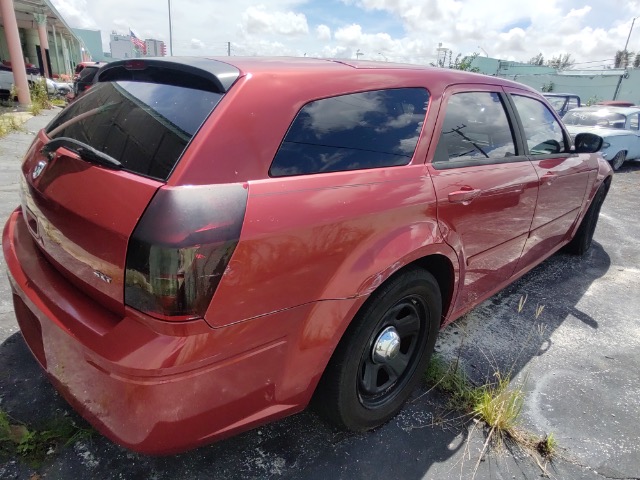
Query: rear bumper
{"x":157,"y":387}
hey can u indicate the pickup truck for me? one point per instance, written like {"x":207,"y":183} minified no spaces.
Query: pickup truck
{"x":563,"y":102}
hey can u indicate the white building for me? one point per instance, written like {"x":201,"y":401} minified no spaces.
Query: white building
{"x":155,"y":48}
{"x":122,"y":46}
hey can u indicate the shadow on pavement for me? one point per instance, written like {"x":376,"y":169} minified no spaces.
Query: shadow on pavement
{"x":492,"y":336}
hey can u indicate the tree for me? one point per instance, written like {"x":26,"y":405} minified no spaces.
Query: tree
{"x":561,"y":62}
{"x":636,"y":61}
{"x":537,"y":60}
{"x":464,"y":63}
{"x":623,"y":59}
{"x":460,"y":63}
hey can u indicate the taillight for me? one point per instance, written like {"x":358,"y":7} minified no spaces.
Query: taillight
{"x":87,"y":87}
{"x":181,"y":247}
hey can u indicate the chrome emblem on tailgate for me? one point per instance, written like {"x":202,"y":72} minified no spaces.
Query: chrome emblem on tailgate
{"x":102,"y":276}
{"x":38,"y":169}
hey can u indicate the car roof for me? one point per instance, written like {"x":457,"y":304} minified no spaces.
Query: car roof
{"x":609,"y":108}
{"x":326,"y":65}
{"x":317,"y":67}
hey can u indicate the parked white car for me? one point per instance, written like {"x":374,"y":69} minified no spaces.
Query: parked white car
{"x":53,"y":87}
{"x":618,"y":126}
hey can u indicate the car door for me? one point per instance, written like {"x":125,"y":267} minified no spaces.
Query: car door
{"x":563,"y":176}
{"x":633,"y":124}
{"x":486,"y":188}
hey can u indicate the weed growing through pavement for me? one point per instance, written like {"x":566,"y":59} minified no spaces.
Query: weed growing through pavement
{"x":495,"y":404}
{"x":39,"y":97}
{"x":33,"y":445}
{"x":8,"y":124}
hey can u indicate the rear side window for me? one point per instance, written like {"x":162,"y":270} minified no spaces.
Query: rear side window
{"x":475,"y":128}
{"x":351,"y":132}
{"x":145,"y":126}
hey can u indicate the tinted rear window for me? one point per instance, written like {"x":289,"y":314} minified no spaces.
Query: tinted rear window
{"x":350,"y":132}
{"x":145,"y":126}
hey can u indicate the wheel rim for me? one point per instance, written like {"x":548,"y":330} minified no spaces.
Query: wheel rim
{"x":392,"y":352}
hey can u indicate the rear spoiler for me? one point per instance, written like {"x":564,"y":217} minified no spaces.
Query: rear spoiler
{"x":191,"y":72}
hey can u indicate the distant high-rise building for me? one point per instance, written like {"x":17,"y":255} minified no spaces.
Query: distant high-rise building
{"x":155,"y":48}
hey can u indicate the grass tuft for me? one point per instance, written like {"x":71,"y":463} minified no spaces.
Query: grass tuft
{"x":17,"y":439}
{"x":8,"y":124}
{"x":498,"y":405}
{"x":548,"y":446}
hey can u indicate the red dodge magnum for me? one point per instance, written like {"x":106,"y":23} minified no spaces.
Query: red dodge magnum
{"x":204,"y":245}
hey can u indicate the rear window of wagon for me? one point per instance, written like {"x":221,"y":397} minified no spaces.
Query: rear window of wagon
{"x":145,"y":126}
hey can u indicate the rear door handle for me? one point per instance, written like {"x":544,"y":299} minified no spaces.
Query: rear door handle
{"x":549,"y":178}
{"x":465,"y":195}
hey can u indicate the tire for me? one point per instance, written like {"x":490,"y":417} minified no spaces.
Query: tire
{"x":618,"y":160}
{"x":364,"y":387}
{"x":581,"y":242}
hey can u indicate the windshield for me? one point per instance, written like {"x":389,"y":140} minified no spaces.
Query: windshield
{"x":595,"y":118}
{"x":144,"y":126}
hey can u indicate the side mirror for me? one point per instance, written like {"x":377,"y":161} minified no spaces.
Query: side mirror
{"x":588,"y":143}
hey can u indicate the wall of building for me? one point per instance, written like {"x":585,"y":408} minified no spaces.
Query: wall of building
{"x":121,"y":46}
{"x":155,"y":48}
{"x":93,"y":40}
{"x":589,"y":88}
{"x":594,"y":86}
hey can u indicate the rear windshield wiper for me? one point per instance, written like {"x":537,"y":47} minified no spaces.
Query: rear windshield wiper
{"x":84,"y":151}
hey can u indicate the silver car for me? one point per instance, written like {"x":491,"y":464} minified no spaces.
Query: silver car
{"x":618,"y":126}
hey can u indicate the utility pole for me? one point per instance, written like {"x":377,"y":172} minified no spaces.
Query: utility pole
{"x":625,"y":58}
{"x":170,"y":31}
{"x":358,"y":53}
{"x":228,"y":49}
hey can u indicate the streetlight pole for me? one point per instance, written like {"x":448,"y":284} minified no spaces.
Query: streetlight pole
{"x":625,"y":59}
{"x":170,"y":31}
{"x":629,"y":36}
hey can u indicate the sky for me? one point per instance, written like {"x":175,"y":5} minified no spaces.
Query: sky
{"x":383,"y":30}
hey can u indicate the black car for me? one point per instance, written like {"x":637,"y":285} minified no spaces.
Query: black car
{"x":85,"y":79}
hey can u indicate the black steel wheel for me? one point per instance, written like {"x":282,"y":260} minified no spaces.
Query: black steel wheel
{"x":381,"y":355}
{"x":583,"y":238}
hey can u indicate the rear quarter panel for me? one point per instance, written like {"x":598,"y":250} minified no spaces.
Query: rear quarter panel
{"x":327,"y":236}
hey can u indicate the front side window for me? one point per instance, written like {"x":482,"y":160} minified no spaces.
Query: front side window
{"x":476,"y":127}
{"x":542,"y":130}
{"x":351,"y":132}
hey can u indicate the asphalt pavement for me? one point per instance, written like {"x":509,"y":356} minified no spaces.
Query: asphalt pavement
{"x":578,"y":363}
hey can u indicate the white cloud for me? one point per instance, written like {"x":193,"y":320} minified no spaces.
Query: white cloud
{"x":257,"y":20}
{"x":580,"y":12}
{"x":323,"y":32}
{"x":398,"y":30}
{"x":75,"y":13}
{"x":197,"y":44}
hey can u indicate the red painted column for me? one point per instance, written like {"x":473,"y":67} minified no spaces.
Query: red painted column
{"x":15,"y":51}
{"x":41,"y":20}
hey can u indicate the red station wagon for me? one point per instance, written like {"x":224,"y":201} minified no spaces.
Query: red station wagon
{"x":205,"y":245}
